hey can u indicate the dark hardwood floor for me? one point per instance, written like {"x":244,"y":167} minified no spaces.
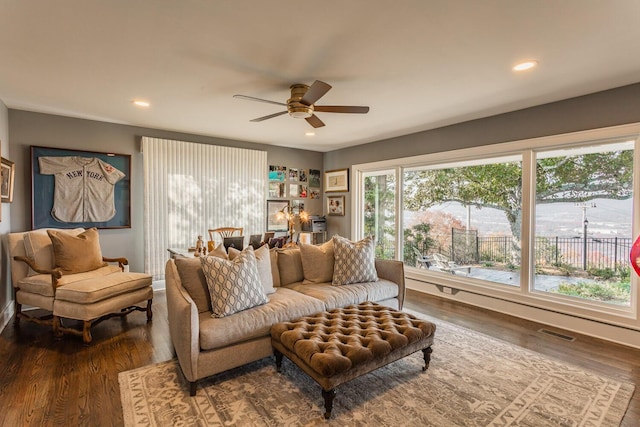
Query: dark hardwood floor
{"x":49,"y":382}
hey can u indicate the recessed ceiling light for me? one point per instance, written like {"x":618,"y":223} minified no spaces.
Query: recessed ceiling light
{"x":310,"y":133}
{"x":525,"y":65}
{"x":140,"y":103}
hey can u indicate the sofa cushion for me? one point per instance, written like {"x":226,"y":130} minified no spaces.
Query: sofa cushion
{"x":96,"y":289}
{"x":38,"y":247}
{"x":263,"y":262}
{"x":233,"y":285}
{"x":193,"y":280}
{"x":354,"y":261}
{"x":290,"y":266}
{"x":284,"y":305}
{"x":355,"y":293}
{"x":317,"y":262}
{"x":41,"y":283}
{"x":76,"y":254}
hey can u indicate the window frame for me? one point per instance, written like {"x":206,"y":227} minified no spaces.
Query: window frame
{"x":526,"y":149}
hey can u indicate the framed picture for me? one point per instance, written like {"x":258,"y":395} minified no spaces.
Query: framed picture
{"x":337,"y":180}
{"x":276,"y":220}
{"x":314,"y":178}
{"x":335,"y":205}
{"x":6,"y":181}
{"x":71,"y":188}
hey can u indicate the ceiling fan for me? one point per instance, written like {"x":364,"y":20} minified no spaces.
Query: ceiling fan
{"x":301,"y":105}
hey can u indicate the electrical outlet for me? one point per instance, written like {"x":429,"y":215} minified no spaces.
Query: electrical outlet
{"x":447,"y":290}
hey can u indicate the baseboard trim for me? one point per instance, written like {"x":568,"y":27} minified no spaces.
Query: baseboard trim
{"x":616,"y":334}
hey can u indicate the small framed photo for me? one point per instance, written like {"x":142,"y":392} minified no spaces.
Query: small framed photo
{"x":336,"y":180}
{"x":6,"y":182}
{"x":335,"y":205}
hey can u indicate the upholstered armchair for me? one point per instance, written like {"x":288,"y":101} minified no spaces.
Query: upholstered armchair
{"x":64,"y":273}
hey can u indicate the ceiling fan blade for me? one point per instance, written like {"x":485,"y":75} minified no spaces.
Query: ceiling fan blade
{"x":251,"y":98}
{"x":341,"y":109}
{"x":270,"y":116}
{"x":314,"y":121}
{"x":315,"y":92}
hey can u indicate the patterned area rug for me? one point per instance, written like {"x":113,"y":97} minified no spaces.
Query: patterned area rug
{"x":473,"y":380}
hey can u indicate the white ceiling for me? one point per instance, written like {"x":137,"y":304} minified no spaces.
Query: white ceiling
{"x":419,"y":64}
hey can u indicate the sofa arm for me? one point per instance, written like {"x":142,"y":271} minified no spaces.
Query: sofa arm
{"x":393,"y":271}
{"x":184,"y":326}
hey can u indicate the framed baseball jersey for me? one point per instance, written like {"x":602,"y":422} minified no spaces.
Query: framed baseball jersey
{"x":72,"y":188}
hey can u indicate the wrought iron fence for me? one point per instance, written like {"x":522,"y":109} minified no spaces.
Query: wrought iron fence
{"x":601,"y":253}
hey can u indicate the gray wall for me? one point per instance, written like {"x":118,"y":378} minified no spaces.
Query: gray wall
{"x":608,"y":108}
{"x":28,"y":128}
{"x":6,"y":297}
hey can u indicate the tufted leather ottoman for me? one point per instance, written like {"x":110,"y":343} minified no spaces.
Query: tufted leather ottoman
{"x":336,"y":346}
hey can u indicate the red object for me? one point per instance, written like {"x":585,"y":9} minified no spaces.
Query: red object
{"x":634,"y":256}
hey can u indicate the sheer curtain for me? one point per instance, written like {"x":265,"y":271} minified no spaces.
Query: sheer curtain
{"x":190,"y":188}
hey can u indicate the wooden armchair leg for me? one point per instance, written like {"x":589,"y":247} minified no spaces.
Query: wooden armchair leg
{"x":86,"y":332}
{"x":56,"y":327}
{"x":149,"y":312}
{"x":18,"y":313}
{"x":193,"y":388}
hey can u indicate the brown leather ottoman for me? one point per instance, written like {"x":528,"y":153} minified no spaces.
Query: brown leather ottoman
{"x":336,"y":346}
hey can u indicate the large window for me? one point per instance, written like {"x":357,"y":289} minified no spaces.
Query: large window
{"x":548,"y":222}
{"x":464,"y":218}
{"x":583,"y":221}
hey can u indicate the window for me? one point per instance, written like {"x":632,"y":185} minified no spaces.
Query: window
{"x":190,"y":188}
{"x":549,"y":222}
{"x":379,"y":213}
{"x":465,"y":218}
{"x":583,"y":222}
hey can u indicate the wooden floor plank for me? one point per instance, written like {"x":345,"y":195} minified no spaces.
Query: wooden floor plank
{"x":49,"y":382}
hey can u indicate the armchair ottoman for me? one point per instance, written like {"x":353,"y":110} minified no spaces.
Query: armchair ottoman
{"x":44,"y":266}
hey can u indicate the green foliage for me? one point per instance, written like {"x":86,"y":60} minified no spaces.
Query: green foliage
{"x":575,"y":178}
{"x":597,"y":291}
{"x":417,"y":237}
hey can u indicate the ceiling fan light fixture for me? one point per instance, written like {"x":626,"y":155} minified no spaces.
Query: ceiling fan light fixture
{"x":298,"y":110}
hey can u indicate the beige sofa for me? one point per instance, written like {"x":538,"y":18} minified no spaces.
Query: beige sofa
{"x":206,"y":345}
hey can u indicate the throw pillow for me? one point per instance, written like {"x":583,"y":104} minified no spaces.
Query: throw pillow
{"x":38,"y":247}
{"x":263,"y":262}
{"x":233,"y":285}
{"x":317,"y":262}
{"x":354,"y":262}
{"x":193,"y":280}
{"x":219,"y":251}
{"x":76,"y":254}
{"x":290,"y":266}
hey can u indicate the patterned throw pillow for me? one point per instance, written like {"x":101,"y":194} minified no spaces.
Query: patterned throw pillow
{"x":354,"y":262}
{"x":234,"y":285}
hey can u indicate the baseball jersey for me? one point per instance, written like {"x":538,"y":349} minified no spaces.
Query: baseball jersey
{"x":84,"y":188}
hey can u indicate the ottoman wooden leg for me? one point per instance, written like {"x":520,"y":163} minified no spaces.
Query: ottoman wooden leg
{"x":328,"y":402}
{"x":427,"y":357}
{"x":278,"y":359}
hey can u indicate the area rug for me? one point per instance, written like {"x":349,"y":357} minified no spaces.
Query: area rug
{"x":473,"y":380}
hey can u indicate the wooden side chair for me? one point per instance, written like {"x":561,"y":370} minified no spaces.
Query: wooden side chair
{"x":225,"y":232}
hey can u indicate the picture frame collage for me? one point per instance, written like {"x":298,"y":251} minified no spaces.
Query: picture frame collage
{"x":296,"y":184}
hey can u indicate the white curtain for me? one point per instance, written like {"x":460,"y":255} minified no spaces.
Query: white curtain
{"x":190,"y":188}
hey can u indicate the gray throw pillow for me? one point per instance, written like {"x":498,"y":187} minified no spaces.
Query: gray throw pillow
{"x":354,"y":262}
{"x":234,"y":285}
